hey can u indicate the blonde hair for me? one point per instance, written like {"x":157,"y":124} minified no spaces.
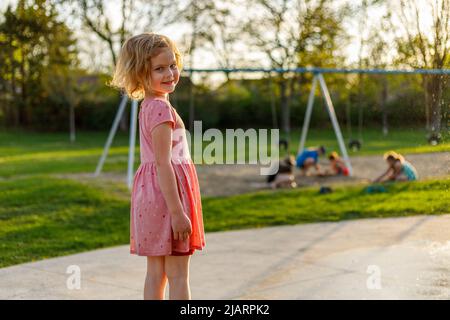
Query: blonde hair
{"x":132,"y":72}
{"x":334,"y":156}
{"x":393,"y":155}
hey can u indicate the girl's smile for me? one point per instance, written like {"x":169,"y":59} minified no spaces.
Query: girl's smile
{"x":168,"y":82}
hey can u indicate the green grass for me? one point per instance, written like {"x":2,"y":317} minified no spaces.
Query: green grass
{"x":25,"y":153}
{"x":42,"y":216}
{"x":293,"y":206}
{"x":404,"y":140}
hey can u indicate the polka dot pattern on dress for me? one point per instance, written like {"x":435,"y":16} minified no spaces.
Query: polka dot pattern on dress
{"x":150,"y":225}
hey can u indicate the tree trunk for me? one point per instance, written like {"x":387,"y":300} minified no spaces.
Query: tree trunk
{"x":292,"y":94}
{"x":272,"y":104}
{"x":123,"y":124}
{"x":284,"y":107}
{"x":26,"y":119}
{"x":384,"y":94}
{"x":13,"y":103}
{"x":72,"y":121}
{"x":191,"y":105}
{"x":427,"y":101}
{"x":435,"y":92}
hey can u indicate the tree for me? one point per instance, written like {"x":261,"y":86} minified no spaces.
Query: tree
{"x":202,"y":18}
{"x":135,"y":16}
{"x":35,"y":42}
{"x":377,"y":57}
{"x":421,"y":46}
{"x":292,"y":34}
{"x":221,"y":35}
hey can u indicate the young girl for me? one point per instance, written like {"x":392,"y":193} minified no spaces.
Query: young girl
{"x":398,"y":169}
{"x":310,"y":158}
{"x":166,"y":222}
{"x":337,"y":165}
{"x":284,"y":177}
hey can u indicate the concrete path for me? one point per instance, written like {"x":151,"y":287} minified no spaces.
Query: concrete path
{"x":391,"y":258}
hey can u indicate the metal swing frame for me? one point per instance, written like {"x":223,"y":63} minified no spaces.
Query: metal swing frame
{"x":318,"y":77}
{"x":132,"y":141}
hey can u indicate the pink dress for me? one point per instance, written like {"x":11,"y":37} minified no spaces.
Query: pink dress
{"x":150,"y":221}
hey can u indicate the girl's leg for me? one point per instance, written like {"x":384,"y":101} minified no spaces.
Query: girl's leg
{"x":156,"y":279}
{"x":284,"y":180}
{"x":309,"y":162}
{"x":177,"y":271}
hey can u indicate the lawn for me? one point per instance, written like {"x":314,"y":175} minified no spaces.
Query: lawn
{"x":44,"y":217}
{"x":404,"y":140}
{"x":24,"y":153}
{"x":293,"y":206}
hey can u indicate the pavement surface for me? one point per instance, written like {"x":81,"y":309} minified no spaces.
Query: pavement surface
{"x":389,"y":258}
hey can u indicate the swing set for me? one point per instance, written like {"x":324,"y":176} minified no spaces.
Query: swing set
{"x":318,"y":79}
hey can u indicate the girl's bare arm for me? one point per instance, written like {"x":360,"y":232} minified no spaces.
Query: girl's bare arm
{"x":396,"y":170}
{"x":162,"y":145}
{"x":380,"y":178}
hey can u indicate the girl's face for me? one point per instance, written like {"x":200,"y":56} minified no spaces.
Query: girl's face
{"x":164,"y":73}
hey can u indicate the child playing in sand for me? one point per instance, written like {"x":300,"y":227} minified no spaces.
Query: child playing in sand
{"x":337,"y":165}
{"x":166,"y":222}
{"x":284,"y":177}
{"x":398,"y":169}
{"x":310,"y":158}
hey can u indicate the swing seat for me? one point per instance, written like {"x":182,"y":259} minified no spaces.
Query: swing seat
{"x":355,"y":144}
{"x":434,"y":139}
{"x":284,"y":143}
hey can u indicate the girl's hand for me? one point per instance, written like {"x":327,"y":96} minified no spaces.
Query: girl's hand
{"x":181,"y":226}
